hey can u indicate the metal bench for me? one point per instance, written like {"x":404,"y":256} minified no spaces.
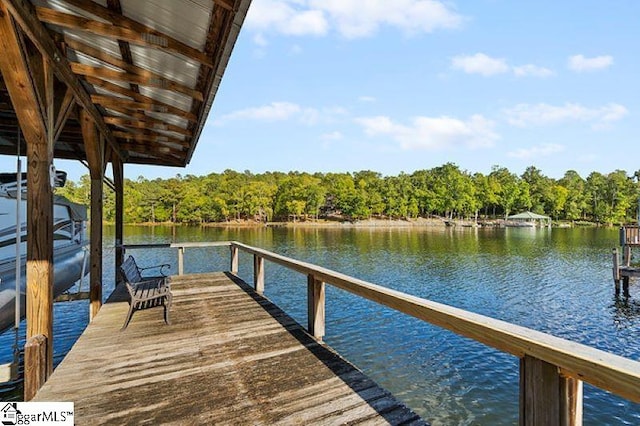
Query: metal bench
{"x":145,"y":292}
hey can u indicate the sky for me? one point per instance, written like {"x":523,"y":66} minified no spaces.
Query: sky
{"x":404,"y":85}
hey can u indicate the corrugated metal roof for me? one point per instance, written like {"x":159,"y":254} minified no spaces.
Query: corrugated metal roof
{"x":152,"y":67}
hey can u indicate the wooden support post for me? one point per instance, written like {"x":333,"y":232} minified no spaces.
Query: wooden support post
{"x":35,"y":365}
{"x":616,"y":270}
{"x":94,"y":147}
{"x":234,"y":259}
{"x":180,"y":260}
{"x":571,"y":401}
{"x":258,"y":273}
{"x":30,"y":83}
{"x":627,"y":255}
{"x":118,"y":181}
{"x":546,"y":397}
{"x":625,"y":286}
{"x":315,"y":307}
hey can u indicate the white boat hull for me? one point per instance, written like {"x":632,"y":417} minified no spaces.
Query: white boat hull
{"x":69,"y":240}
{"x":67,"y":269}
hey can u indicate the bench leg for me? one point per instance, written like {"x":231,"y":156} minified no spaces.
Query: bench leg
{"x":167,"y":306}
{"x":129,"y":315}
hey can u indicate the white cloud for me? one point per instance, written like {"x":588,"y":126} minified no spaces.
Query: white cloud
{"x":284,"y":17}
{"x":275,"y":111}
{"x":479,"y":64}
{"x":357,"y":18}
{"x":260,"y":40}
{"x":523,"y":115}
{"x":579,"y":63}
{"x":283,"y":111}
{"x":433,"y":133}
{"x":333,"y":136}
{"x":487,"y":66}
{"x":530,"y":70}
{"x":350,"y":18}
{"x":543,"y":150}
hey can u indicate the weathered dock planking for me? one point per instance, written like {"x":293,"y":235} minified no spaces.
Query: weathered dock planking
{"x":229,"y":357}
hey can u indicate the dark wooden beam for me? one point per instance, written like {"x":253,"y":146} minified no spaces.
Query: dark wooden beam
{"x":146,"y":137}
{"x":23,"y":13}
{"x":65,"y":111}
{"x":153,"y":150}
{"x":15,"y":70}
{"x":159,"y":161}
{"x":95,"y":158}
{"x":219,"y":30}
{"x":125,"y":48}
{"x":225,"y":4}
{"x":118,"y":181}
{"x":132,"y":74}
{"x":121,"y":28}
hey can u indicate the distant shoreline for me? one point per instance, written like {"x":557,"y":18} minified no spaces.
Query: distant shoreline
{"x":366,"y":223}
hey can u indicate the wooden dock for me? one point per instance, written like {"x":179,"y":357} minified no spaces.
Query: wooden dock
{"x":229,"y":357}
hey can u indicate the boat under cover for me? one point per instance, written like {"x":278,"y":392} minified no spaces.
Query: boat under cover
{"x":69,"y":247}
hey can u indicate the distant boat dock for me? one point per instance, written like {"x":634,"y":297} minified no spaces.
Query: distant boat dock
{"x":624,"y":270}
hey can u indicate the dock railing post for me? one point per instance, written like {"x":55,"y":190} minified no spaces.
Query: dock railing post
{"x":547,"y":397}
{"x":315,"y":307}
{"x":616,"y":270}
{"x":234,"y":259}
{"x":180,"y":260}
{"x":35,"y":367}
{"x":258,"y":274}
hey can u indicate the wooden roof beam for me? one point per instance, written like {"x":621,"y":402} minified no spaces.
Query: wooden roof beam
{"x":146,"y":137}
{"x":134,"y":95}
{"x":23,"y":14}
{"x":146,"y":123}
{"x":65,"y":110}
{"x":109,"y":101}
{"x":225,"y":4}
{"x":120,"y":28}
{"x":133,"y":74}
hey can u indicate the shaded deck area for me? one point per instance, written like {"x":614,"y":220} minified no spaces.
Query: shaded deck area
{"x":230,"y":356}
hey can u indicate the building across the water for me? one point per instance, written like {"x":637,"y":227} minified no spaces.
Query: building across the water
{"x":528,"y":219}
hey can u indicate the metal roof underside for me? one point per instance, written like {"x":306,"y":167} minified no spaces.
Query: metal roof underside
{"x":151,"y":67}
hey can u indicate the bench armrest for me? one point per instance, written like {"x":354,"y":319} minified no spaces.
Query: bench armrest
{"x":161,"y":267}
{"x":158,"y":281}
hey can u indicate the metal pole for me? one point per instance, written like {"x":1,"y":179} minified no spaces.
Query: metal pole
{"x":18,"y":234}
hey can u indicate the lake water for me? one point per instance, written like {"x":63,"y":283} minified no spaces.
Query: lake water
{"x":553,"y":280}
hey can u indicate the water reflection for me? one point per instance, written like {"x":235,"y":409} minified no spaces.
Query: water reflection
{"x":626,"y":311}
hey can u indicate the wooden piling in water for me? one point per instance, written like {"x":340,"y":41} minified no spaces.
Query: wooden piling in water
{"x":35,"y":365}
{"x":616,"y":270}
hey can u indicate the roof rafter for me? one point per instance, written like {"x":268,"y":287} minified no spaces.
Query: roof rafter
{"x":145,"y":122}
{"x":225,"y":4}
{"x":122,"y":28}
{"x":23,"y":14}
{"x":109,"y":101}
{"x":142,"y":136}
{"x":134,"y":95}
{"x":125,"y":77}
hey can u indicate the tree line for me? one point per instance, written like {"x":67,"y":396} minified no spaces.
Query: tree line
{"x":444,"y":191}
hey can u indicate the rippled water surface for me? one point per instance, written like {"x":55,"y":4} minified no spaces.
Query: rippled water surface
{"x":553,"y":280}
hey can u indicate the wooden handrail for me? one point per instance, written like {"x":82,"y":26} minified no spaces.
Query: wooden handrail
{"x":611,"y":372}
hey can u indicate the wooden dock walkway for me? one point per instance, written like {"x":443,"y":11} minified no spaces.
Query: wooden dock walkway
{"x":229,"y":357}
